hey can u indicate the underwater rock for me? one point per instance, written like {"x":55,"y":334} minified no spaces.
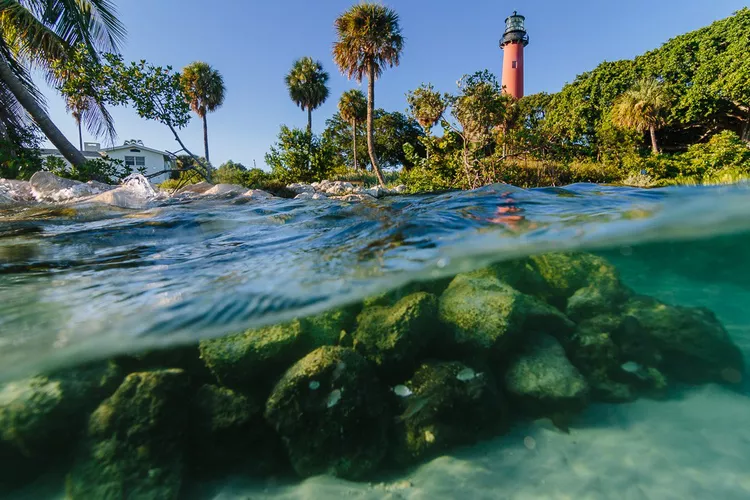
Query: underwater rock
{"x":339,"y":427}
{"x":394,"y":337}
{"x":255,"y":357}
{"x":225,"y":190}
{"x":134,"y":446}
{"x":580,"y":284}
{"x":485,"y":314}
{"x":435,"y":287}
{"x":42,"y":415}
{"x":328,"y":328}
{"x":598,"y":349}
{"x":446,"y":404}
{"x":199,"y":188}
{"x":46,"y":186}
{"x":693,"y":344}
{"x":543,"y":382}
{"x":228,"y":434}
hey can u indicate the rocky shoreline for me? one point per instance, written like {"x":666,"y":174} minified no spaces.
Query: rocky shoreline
{"x":136,"y":191}
{"x":390,"y":382}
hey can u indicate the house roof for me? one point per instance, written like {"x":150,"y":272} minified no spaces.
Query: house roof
{"x":89,"y":154}
{"x":135,"y":146}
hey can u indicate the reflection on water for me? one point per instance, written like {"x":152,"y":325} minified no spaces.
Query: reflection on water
{"x":381,"y":340}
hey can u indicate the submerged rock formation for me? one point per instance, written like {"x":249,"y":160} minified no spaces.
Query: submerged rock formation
{"x":398,"y":378}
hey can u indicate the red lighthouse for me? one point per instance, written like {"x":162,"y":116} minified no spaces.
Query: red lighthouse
{"x":513,"y":42}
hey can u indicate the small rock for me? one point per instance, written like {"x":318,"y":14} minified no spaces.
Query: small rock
{"x":299,"y":188}
{"x":199,"y":188}
{"x":225,"y":190}
{"x":257,"y":194}
{"x":355,"y":197}
{"x":311,"y":196}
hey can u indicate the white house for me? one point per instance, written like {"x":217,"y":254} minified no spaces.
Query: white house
{"x":155,"y":164}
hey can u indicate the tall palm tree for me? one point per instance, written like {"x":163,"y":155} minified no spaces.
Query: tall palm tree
{"x":307,"y":83}
{"x":353,"y":108}
{"x":369,"y":39}
{"x":205,"y":90}
{"x":34,"y":34}
{"x":642,"y":108}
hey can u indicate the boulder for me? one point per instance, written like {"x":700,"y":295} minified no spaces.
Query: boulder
{"x":134,"y":447}
{"x":41,"y":416}
{"x":228,"y":434}
{"x":444,"y":404}
{"x":485,"y":315}
{"x":330,"y":411}
{"x":311,"y":196}
{"x":693,"y":344}
{"x":247,"y":360}
{"x":580,"y":284}
{"x":394,"y":337}
{"x":257,"y":194}
{"x":225,"y":190}
{"x":616,"y":370}
{"x":543,"y":382}
{"x":400,"y":189}
{"x":198,"y":188}
{"x":299,"y":188}
{"x":335,"y":188}
{"x":375,"y":191}
{"x":48,"y":187}
{"x":16,"y":191}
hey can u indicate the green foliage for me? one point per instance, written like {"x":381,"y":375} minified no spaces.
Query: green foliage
{"x":19,"y":153}
{"x":230,"y":173}
{"x":391,"y":132}
{"x":106,"y":170}
{"x":203,"y":87}
{"x":181,"y":179}
{"x":427,"y":106}
{"x":299,"y":156}
{"x":353,"y":106}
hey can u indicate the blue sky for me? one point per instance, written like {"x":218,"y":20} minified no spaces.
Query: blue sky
{"x":253,"y":43}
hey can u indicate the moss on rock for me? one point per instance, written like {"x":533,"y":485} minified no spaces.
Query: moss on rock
{"x":40,"y":417}
{"x":446,"y":404}
{"x":329,"y":409}
{"x":580,"y":284}
{"x":484,"y":314}
{"x":693,"y":344}
{"x":394,"y":337}
{"x":543,"y":382}
{"x":253,"y":358}
{"x":135,"y":441}
{"x":228,"y":434}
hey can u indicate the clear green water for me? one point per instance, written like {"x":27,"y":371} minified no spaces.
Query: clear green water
{"x":96,"y":285}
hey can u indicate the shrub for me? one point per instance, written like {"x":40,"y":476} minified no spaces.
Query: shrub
{"x":106,"y":170}
{"x":299,"y":156}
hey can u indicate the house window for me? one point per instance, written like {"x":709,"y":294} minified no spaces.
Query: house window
{"x":135,"y":161}
{"x":515,"y":64}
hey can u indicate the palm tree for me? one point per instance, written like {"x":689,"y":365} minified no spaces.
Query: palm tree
{"x":204,"y":89}
{"x":306,"y":82}
{"x":353,"y":108}
{"x":369,"y":39}
{"x":35,"y":33}
{"x":642,"y":108}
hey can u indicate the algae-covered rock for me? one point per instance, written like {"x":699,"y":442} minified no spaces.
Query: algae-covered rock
{"x":393,"y":337}
{"x":486,"y":314}
{"x":42,"y":415}
{"x":693,"y":344}
{"x":228,"y":433}
{"x":326,"y":328}
{"x":255,"y":357}
{"x":444,"y":404}
{"x":544,"y":382}
{"x":329,"y":409}
{"x":580,"y":284}
{"x":134,"y":446}
{"x":617,"y":366}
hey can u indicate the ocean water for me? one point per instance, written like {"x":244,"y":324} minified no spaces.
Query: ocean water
{"x":81,"y":283}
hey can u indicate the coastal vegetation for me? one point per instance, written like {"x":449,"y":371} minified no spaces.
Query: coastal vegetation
{"x":679,"y":114}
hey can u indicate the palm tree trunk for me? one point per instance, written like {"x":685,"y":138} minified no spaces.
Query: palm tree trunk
{"x":309,"y":120}
{"x":205,"y":137}
{"x":370,"y":113}
{"x":654,"y":145}
{"x":80,"y":135}
{"x":354,"y":143}
{"x":40,"y":116}
{"x":746,"y":128}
